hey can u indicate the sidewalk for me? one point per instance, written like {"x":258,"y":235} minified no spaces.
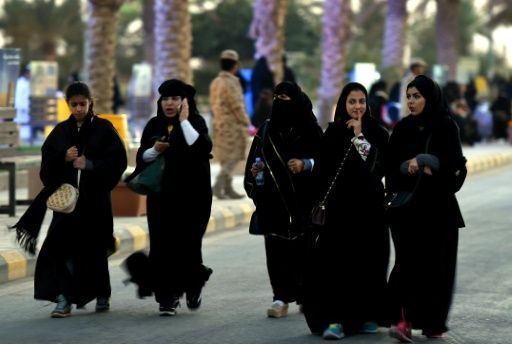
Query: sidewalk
{"x":132,"y":234}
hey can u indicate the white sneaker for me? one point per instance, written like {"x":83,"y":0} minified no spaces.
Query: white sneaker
{"x":278,"y":309}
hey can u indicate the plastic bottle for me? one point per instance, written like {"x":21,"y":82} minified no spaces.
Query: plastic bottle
{"x":260,"y":178}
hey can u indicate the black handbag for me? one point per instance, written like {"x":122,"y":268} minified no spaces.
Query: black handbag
{"x":396,"y":200}
{"x":402,"y":199}
{"x":254,"y":225}
{"x":318,"y":213}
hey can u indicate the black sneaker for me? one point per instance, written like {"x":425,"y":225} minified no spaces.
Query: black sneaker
{"x":169,"y":308}
{"x":102,"y":304}
{"x":194,"y":294}
{"x":62,"y":309}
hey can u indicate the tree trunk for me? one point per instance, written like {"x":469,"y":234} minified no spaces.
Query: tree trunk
{"x":335,"y":38}
{"x":148,"y":16}
{"x":101,"y":40}
{"x":447,"y":34}
{"x":394,"y":41}
{"x":173,"y":41}
{"x":267,"y":28}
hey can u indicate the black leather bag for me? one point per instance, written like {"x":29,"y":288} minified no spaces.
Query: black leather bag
{"x":318,"y":215}
{"x":398,"y":200}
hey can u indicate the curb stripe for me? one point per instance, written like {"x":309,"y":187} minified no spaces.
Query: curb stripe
{"x":139,"y":236}
{"x":228,"y":216}
{"x":16,"y":264}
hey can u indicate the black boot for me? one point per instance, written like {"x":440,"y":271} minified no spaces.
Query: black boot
{"x":218,"y":187}
{"x":62,"y":309}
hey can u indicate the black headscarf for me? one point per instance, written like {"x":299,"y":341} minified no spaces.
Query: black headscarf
{"x":175,"y":87}
{"x":436,"y":108}
{"x":341,"y":113}
{"x":293,"y":113}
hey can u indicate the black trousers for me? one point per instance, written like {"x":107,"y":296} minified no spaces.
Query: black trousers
{"x":176,"y":234}
{"x":285,"y":265}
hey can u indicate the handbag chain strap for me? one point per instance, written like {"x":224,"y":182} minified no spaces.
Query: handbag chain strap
{"x":322,"y":203}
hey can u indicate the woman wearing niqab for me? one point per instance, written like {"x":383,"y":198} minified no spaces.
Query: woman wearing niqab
{"x":286,"y":144}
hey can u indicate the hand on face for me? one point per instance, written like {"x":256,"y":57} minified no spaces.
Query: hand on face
{"x":184,"y":110}
{"x":356,"y":124}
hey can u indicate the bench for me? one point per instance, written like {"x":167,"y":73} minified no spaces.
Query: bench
{"x":9,"y":138}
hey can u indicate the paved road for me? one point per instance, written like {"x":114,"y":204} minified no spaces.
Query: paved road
{"x":238,"y":294}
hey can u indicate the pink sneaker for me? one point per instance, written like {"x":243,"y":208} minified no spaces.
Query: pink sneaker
{"x":402,"y":332}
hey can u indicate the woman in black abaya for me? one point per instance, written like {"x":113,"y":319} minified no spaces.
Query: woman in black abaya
{"x":177,"y":215}
{"x":346,"y":279}
{"x":72,"y":266}
{"x":425,"y":145}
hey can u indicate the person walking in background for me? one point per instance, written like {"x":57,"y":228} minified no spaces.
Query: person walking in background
{"x":22,"y":105}
{"x":87,"y":152}
{"x":500,"y":109}
{"x":424,"y":150}
{"x":179,"y":213}
{"x":377,"y":101}
{"x":416,"y":67}
{"x":346,"y":281}
{"x":230,"y":124}
{"x":285,"y":144}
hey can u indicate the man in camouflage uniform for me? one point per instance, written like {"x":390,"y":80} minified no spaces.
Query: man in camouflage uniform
{"x":230,"y":123}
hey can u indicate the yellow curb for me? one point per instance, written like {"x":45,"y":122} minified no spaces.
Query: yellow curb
{"x":139,"y":237}
{"x":212,"y":224}
{"x":483,"y":164}
{"x":229,"y":217}
{"x":247,"y":210}
{"x":16,"y":264}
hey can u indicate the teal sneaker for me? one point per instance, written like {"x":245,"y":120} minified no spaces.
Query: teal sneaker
{"x":369,"y":327}
{"x":333,"y":331}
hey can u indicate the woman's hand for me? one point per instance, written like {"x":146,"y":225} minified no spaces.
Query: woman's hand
{"x":355,"y":124}
{"x":413,"y":167}
{"x":184,"y":110}
{"x":80,"y":162}
{"x":427,"y":170}
{"x":161,"y":146}
{"x":255,"y":168}
{"x":295,"y":166}
{"x":71,"y":153}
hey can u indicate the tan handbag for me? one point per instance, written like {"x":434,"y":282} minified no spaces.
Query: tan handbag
{"x":63,"y":200}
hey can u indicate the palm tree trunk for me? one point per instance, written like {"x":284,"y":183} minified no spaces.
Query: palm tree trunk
{"x":394,"y":40}
{"x":173,"y":41}
{"x":100,"y":51}
{"x":267,"y":28}
{"x":335,"y":37}
{"x":148,"y":16}
{"x":447,"y":34}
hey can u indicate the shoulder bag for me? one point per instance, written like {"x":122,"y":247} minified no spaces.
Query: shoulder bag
{"x":318,"y":212}
{"x":149,"y":180}
{"x":63,"y":200}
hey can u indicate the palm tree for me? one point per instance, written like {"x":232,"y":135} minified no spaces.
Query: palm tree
{"x":335,"y":36}
{"x":394,"y":40}
{"x":100,"y":50}
{"x":267,"y":28}
{"x":173,"y":41}
{"x":447,"y":33}
{"x":148,"y":17}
